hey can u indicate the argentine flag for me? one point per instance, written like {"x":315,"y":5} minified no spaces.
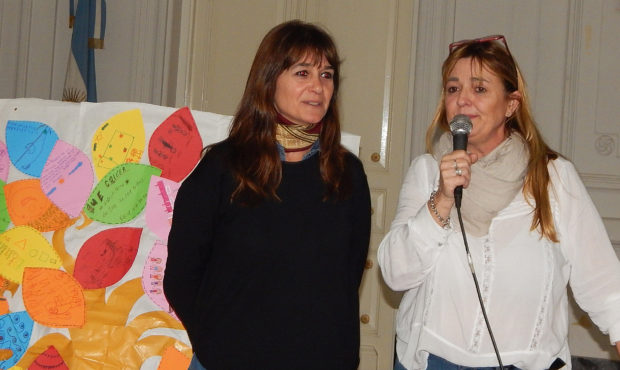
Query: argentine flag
{"x":88,"y":23}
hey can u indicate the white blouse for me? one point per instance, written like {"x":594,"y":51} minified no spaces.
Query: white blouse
{"x":523,"y":277}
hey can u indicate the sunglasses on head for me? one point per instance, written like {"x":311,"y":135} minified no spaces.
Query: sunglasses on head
{"x":492,"y":38}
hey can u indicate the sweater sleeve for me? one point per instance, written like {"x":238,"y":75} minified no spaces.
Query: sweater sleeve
{"x":191,"y":234}
{"x":595,"y":269}
{"x":409,"y":250}
{"x":361,"y":214}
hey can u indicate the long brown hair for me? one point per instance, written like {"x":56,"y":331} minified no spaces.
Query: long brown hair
{"x":496,"y":57}
{"x":254,"y":157}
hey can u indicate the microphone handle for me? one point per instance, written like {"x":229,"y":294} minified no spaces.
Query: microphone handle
{"x":459,"y":142}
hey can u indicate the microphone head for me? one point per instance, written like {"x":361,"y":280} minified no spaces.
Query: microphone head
{"x":460,"y":124}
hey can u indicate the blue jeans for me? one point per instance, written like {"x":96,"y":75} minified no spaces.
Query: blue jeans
{"x":397,"y":364}
{"x":438,"y":363}
{"x":195,"y":364}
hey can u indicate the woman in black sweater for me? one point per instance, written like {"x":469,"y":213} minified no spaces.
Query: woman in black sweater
{"x":270,"y":231}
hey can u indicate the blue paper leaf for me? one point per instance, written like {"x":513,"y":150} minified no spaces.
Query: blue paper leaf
{"x":29,"y":144}
{"x":15,"y":332}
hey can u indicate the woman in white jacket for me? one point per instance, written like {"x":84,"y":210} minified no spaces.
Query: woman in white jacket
{"x":530,"y":229}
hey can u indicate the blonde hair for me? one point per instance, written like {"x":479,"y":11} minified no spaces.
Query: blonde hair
{"x":497,"y":59}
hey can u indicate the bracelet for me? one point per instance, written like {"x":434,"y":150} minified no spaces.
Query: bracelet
{"x":445,"y":223}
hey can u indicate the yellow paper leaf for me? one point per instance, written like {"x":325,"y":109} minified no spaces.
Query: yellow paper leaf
{"x":22,"y":247}
{"x":118,"y":140}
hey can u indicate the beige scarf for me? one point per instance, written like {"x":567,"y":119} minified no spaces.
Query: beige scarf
{"x":495,"y":180}
{"x":295,"y":137}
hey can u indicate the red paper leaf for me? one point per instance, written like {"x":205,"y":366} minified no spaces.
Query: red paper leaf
{"x":175,"y":145}
{"x":48,"y":360}
{"x":106,"y":257}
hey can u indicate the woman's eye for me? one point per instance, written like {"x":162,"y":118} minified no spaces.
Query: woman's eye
{"x":451,"y":89}
{"x":480,"y":89}
{"x":301,"y":73}
{"x":327,"y":75}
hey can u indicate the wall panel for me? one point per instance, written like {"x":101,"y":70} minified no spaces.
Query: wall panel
{"x":591,"y":134}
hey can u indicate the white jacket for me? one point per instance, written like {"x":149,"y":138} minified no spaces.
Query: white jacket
{"x":523,"y":277}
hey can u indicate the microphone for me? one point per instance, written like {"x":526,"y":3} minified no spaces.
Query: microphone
{"x":460,"y":126}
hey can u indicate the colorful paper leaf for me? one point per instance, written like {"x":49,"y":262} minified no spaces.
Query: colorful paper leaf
{"x":173,"y":359}
{"x":49,"y":360}
{"x":15,"y":332}
{"x":175,"y":145}
{"x":21,"y":247}
{"x":67,"y":178}
{"x":106,"y":257}
{"x":5,"y":354}
{"x":5,"y":162}
{"x":118,"y":140}
{"x":5,"y":219}
{"x":4,"y":306}
{"x":53,"y":298}
{"x":29,"y":144}
{"x":159,"y":205}
{"x":27,"y":205}
{"x":153,"y":276}
{"x":121,"y":194}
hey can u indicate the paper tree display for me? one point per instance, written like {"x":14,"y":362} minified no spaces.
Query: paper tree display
{"x":86,"y":200}
{"x":85,"y":216}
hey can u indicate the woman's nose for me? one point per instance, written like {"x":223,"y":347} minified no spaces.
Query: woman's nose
{"x":316,"y":84}
{"x":464,"y":98}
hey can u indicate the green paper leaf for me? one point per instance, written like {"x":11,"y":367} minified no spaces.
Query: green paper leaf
{"x":121,"y":194}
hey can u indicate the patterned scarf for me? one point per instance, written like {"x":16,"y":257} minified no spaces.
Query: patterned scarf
{"x":496,"y":179}
{"x":295,"y":137}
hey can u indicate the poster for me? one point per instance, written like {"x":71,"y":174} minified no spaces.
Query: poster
{"x":87,"y":196}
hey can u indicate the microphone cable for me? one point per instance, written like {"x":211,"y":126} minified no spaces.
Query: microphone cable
{"x":473,"y":273}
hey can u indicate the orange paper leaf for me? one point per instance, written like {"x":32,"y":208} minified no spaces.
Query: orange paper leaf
{"x":28,"y":205}
{"x":53,"y":298}
{"x":5,"y":354}
{"x":173,"y":359}
{"x":4,"y":306}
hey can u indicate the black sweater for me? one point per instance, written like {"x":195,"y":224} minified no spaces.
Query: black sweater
{"x":271,"y":286}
